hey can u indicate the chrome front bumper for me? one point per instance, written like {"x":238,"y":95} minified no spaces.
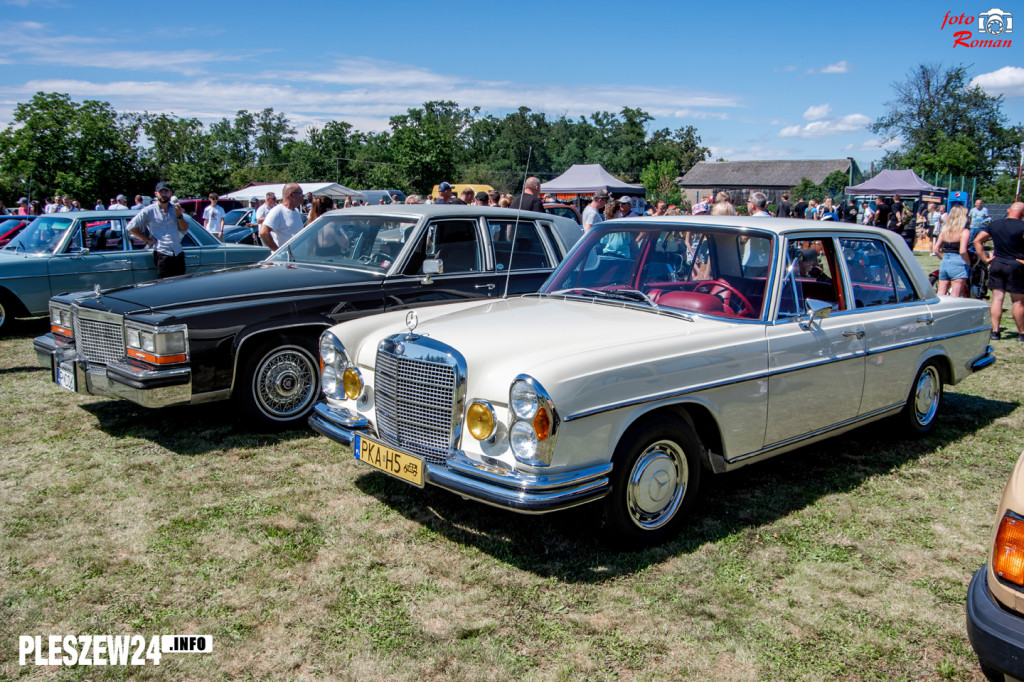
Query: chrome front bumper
{"x":149,"y":388}
{"x":493,"y":485}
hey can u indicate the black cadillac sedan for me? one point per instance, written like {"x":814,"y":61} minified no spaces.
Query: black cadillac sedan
{"x":250,"y":334}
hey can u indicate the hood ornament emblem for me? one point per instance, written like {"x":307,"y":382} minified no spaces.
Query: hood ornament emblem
{"x":96,"y":290}
{"x":411,"y":321}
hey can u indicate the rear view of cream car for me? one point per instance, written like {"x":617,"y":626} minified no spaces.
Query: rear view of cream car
{"x":995,"y":599}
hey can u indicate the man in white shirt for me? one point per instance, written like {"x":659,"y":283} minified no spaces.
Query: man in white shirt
{"x":284,"y":220}
{"x":213,"y":217}
{"x":119,"y":203}
{"x":593,"y":213}
{"x":262,"y":211}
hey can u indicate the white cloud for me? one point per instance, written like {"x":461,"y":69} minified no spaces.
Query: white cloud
{"x":817,"y":113}
{"x":832,"y":126}
{"x":874,"y":145}
{"x":1008,"y":81}
{"x":752,"y":153}
{"x":369,"y":105}
{"x":838,"y":67}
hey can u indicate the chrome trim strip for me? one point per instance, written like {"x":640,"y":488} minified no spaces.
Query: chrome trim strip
{"x":760,"y":375}
{"x":811,"y":434}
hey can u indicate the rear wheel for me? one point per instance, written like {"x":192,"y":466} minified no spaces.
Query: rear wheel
{"x":655,"y":478}
{"x":922,"y":406}
{"x":281,"y":382}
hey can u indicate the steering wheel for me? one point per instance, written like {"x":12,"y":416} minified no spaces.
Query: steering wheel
{"x":730,"y":295}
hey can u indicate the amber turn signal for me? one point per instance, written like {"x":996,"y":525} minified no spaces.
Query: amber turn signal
{"x":542,"y":424}
{"x":1008,"y":555}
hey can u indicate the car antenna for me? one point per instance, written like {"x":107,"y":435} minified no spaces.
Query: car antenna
{"x":515,"y":229}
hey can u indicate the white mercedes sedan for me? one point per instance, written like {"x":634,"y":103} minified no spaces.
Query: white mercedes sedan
{"x":661,"y":349}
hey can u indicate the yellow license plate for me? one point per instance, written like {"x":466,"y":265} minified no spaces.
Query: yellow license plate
{"x":401,"y":465}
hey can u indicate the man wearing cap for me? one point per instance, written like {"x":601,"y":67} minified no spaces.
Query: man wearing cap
{"x":626,"y":207}
{"x":161,"y":225}
{"x":119,"y":203}
{"x":593,"y":213}
{"x":213,"y":217}
{"x":444,"y":195}
{"x":284,"y":220}
{"x":23,"y":206}
{"x":530,"y":199}
{"x":481,"y":199}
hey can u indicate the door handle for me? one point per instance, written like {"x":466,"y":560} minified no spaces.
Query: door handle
{"x":484,"y":286}
{"x":925,"y":320}
{"x":858,"y":334}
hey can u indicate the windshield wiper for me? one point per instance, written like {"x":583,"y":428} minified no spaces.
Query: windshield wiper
{"x":632,"y":295}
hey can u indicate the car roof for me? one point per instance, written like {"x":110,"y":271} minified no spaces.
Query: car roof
{"x":781,"y":226}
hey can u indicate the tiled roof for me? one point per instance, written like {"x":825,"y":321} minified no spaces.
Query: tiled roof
{"x":758,"y":174}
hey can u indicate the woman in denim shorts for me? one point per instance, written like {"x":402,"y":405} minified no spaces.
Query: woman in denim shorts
{"x":952,"y":243}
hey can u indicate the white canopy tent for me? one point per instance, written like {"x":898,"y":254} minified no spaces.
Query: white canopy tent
{"x":317,"y":189}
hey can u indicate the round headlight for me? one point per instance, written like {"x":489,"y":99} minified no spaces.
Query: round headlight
{"x":352,"y":381}
{"x":523,"y":441}
{"x":330,"y":383}
{"x":480,"y":420}
{"x":523,"y":400}
{"x":328,"y":351}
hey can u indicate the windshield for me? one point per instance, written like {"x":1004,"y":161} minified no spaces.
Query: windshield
{"x":234,"y":216}
{"x":42,"y":235}
{"x":714,"y":271}
{"x":364,"y":242}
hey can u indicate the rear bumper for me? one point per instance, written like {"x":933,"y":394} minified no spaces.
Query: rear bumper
{"x":985,"y":360}
{"x":126,"y":380}
{"x":493,"y":485}
{"x":996,"y":634}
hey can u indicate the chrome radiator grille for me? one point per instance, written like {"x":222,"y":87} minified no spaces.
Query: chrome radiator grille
{"x":98,"y":341}
{"x":417,"y":402}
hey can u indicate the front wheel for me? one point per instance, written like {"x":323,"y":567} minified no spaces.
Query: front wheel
{"x":655,"y":478}
{"x":922,"y":406}
{"x":281,"y":382}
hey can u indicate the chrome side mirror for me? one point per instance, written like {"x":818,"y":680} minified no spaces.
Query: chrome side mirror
{"x":80,"y":252}
{"x":816,"y":310}
{"x":431,"y":266}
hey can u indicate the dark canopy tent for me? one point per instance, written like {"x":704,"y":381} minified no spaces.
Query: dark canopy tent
{"x":889,"y":182}
{"x":582,"y":180}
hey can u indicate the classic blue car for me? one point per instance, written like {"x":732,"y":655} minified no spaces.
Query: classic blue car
{"x":81,"y":250}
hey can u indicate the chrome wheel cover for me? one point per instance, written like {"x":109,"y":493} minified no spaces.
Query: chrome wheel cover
{"x":657,"y":484}
{"x":284,"y":383}
{"x":926,"y":395}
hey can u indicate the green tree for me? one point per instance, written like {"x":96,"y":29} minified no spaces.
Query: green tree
{"x":426,"y":144}
{"x":86,"y":150}
{"x":659,"y":177}
{"x":945,"y":125}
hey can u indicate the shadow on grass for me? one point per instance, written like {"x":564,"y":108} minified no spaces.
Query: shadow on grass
{"x":187,"y":429}
{"x":565,"y":544}
{"x":19,"y":370}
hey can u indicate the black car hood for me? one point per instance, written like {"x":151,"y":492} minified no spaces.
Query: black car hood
{"x":270,"y":280}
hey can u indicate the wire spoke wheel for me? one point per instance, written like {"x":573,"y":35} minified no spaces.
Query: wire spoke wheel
{"x":282,"y":382}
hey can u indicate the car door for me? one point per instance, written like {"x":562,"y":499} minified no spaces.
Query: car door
{"x":816,"y":368}
{"x":896,"y":320}
{"x":95,"y":255}
{"x":467,"y":268}
{"x":523,"y":257}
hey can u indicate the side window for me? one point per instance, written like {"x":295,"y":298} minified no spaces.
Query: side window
{"x":103,"y":235}
{"x":518,"y":243}
{"x":904,"y":289}
{"x":455,"y":242}
{"x":809,"y":273}
{"x":868,"y":261}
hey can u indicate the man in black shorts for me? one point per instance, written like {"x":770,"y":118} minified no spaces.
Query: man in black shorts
{"x":1006,"y":265}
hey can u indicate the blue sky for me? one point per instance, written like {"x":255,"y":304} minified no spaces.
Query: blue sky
{"x":789,"y":80}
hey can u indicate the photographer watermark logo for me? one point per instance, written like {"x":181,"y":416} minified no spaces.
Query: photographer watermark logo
{"x":993,"y":26}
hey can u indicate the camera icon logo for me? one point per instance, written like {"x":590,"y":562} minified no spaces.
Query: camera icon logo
{"x":995,"y":22}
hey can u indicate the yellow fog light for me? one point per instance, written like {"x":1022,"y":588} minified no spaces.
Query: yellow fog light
{"x":352,"y":381}
{"x":480,"y":420}
{"x":1008,"y":555}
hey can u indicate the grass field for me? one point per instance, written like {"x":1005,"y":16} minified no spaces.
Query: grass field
{"x":846,"y":559}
